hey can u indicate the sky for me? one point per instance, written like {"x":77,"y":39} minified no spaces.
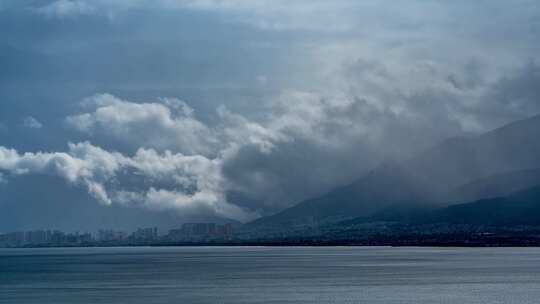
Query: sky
{"x":125,"y":113}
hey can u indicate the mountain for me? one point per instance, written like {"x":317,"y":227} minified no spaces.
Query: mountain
{"x":496,"y":185}
{"x":520,"y":208}
{"x":458,"y":161}
{"x":387,"y":186}
{"x":426,"y":179}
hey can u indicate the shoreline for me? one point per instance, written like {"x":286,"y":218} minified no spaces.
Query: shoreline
{"x":292,"y":244}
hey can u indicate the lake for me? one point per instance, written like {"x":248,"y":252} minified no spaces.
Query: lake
{"x":270,"y":275}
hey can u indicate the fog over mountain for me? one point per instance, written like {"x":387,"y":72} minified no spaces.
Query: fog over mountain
{"x":130,"y":113}
{"x":459,"y":170}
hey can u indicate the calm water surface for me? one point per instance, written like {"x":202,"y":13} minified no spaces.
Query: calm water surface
{"x":269,"y":275}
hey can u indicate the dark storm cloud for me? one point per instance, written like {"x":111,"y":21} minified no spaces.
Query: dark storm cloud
{"x":314,"y":93}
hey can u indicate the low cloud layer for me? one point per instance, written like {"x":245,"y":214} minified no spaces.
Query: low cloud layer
{"x":194,"y":182}
{"x":241,"y":108}
{"x":304,"y":142}
{"x":66,"y":8}
{"x":168,"y":124}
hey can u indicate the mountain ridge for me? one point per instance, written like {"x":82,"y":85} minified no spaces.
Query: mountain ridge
{"x":423,"y":180}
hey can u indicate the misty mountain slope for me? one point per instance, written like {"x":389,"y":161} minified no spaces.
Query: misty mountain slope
{"x":389,"y":185}
{"x":520,"y":208}
{"x":424,"y":179}
{"x":458,"y":161}
{"x":496,"y":185}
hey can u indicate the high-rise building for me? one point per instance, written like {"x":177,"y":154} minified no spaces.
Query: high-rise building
{"x":111,"y":236}
{"x":37,"y":237}
{"x":201,"y":231}
{"x":145,"y":234}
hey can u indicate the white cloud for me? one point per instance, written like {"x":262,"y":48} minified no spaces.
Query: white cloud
{"x":367,"y":77}
{"x":319,"y":15}
{"x":168,"y":124}
{"x":31,"y":122}
{"x":191,"y":178}
{"x":239,"y":131}
{"x":67,"y":8}
{"x":178,"y":162}
{"x":204,"y":202}
{"x":83,"y":164}
{"x":197,"y":181}
{"x":313,"y":15}
{"x":172,"y":146}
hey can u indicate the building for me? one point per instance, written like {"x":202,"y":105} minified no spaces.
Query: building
{"x":38,"y":237}
{"x":201,"y":232}
{"x":199,"y":229}
{"x":145,"y":234}
{"x":12,"y":239}
{"x":111,"y":236}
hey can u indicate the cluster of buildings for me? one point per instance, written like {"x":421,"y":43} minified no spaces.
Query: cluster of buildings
{"x":190,"y":232}
{"x":201,"y":232}
{"x":145,"y":234}
{"x":44,"y":237}
{"x":109,"y":235}
{"x":141,"y":235}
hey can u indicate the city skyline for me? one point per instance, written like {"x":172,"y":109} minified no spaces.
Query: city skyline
{"x":189,"y":232}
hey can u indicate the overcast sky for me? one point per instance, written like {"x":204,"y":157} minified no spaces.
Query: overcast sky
{"x":237,"y":109}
